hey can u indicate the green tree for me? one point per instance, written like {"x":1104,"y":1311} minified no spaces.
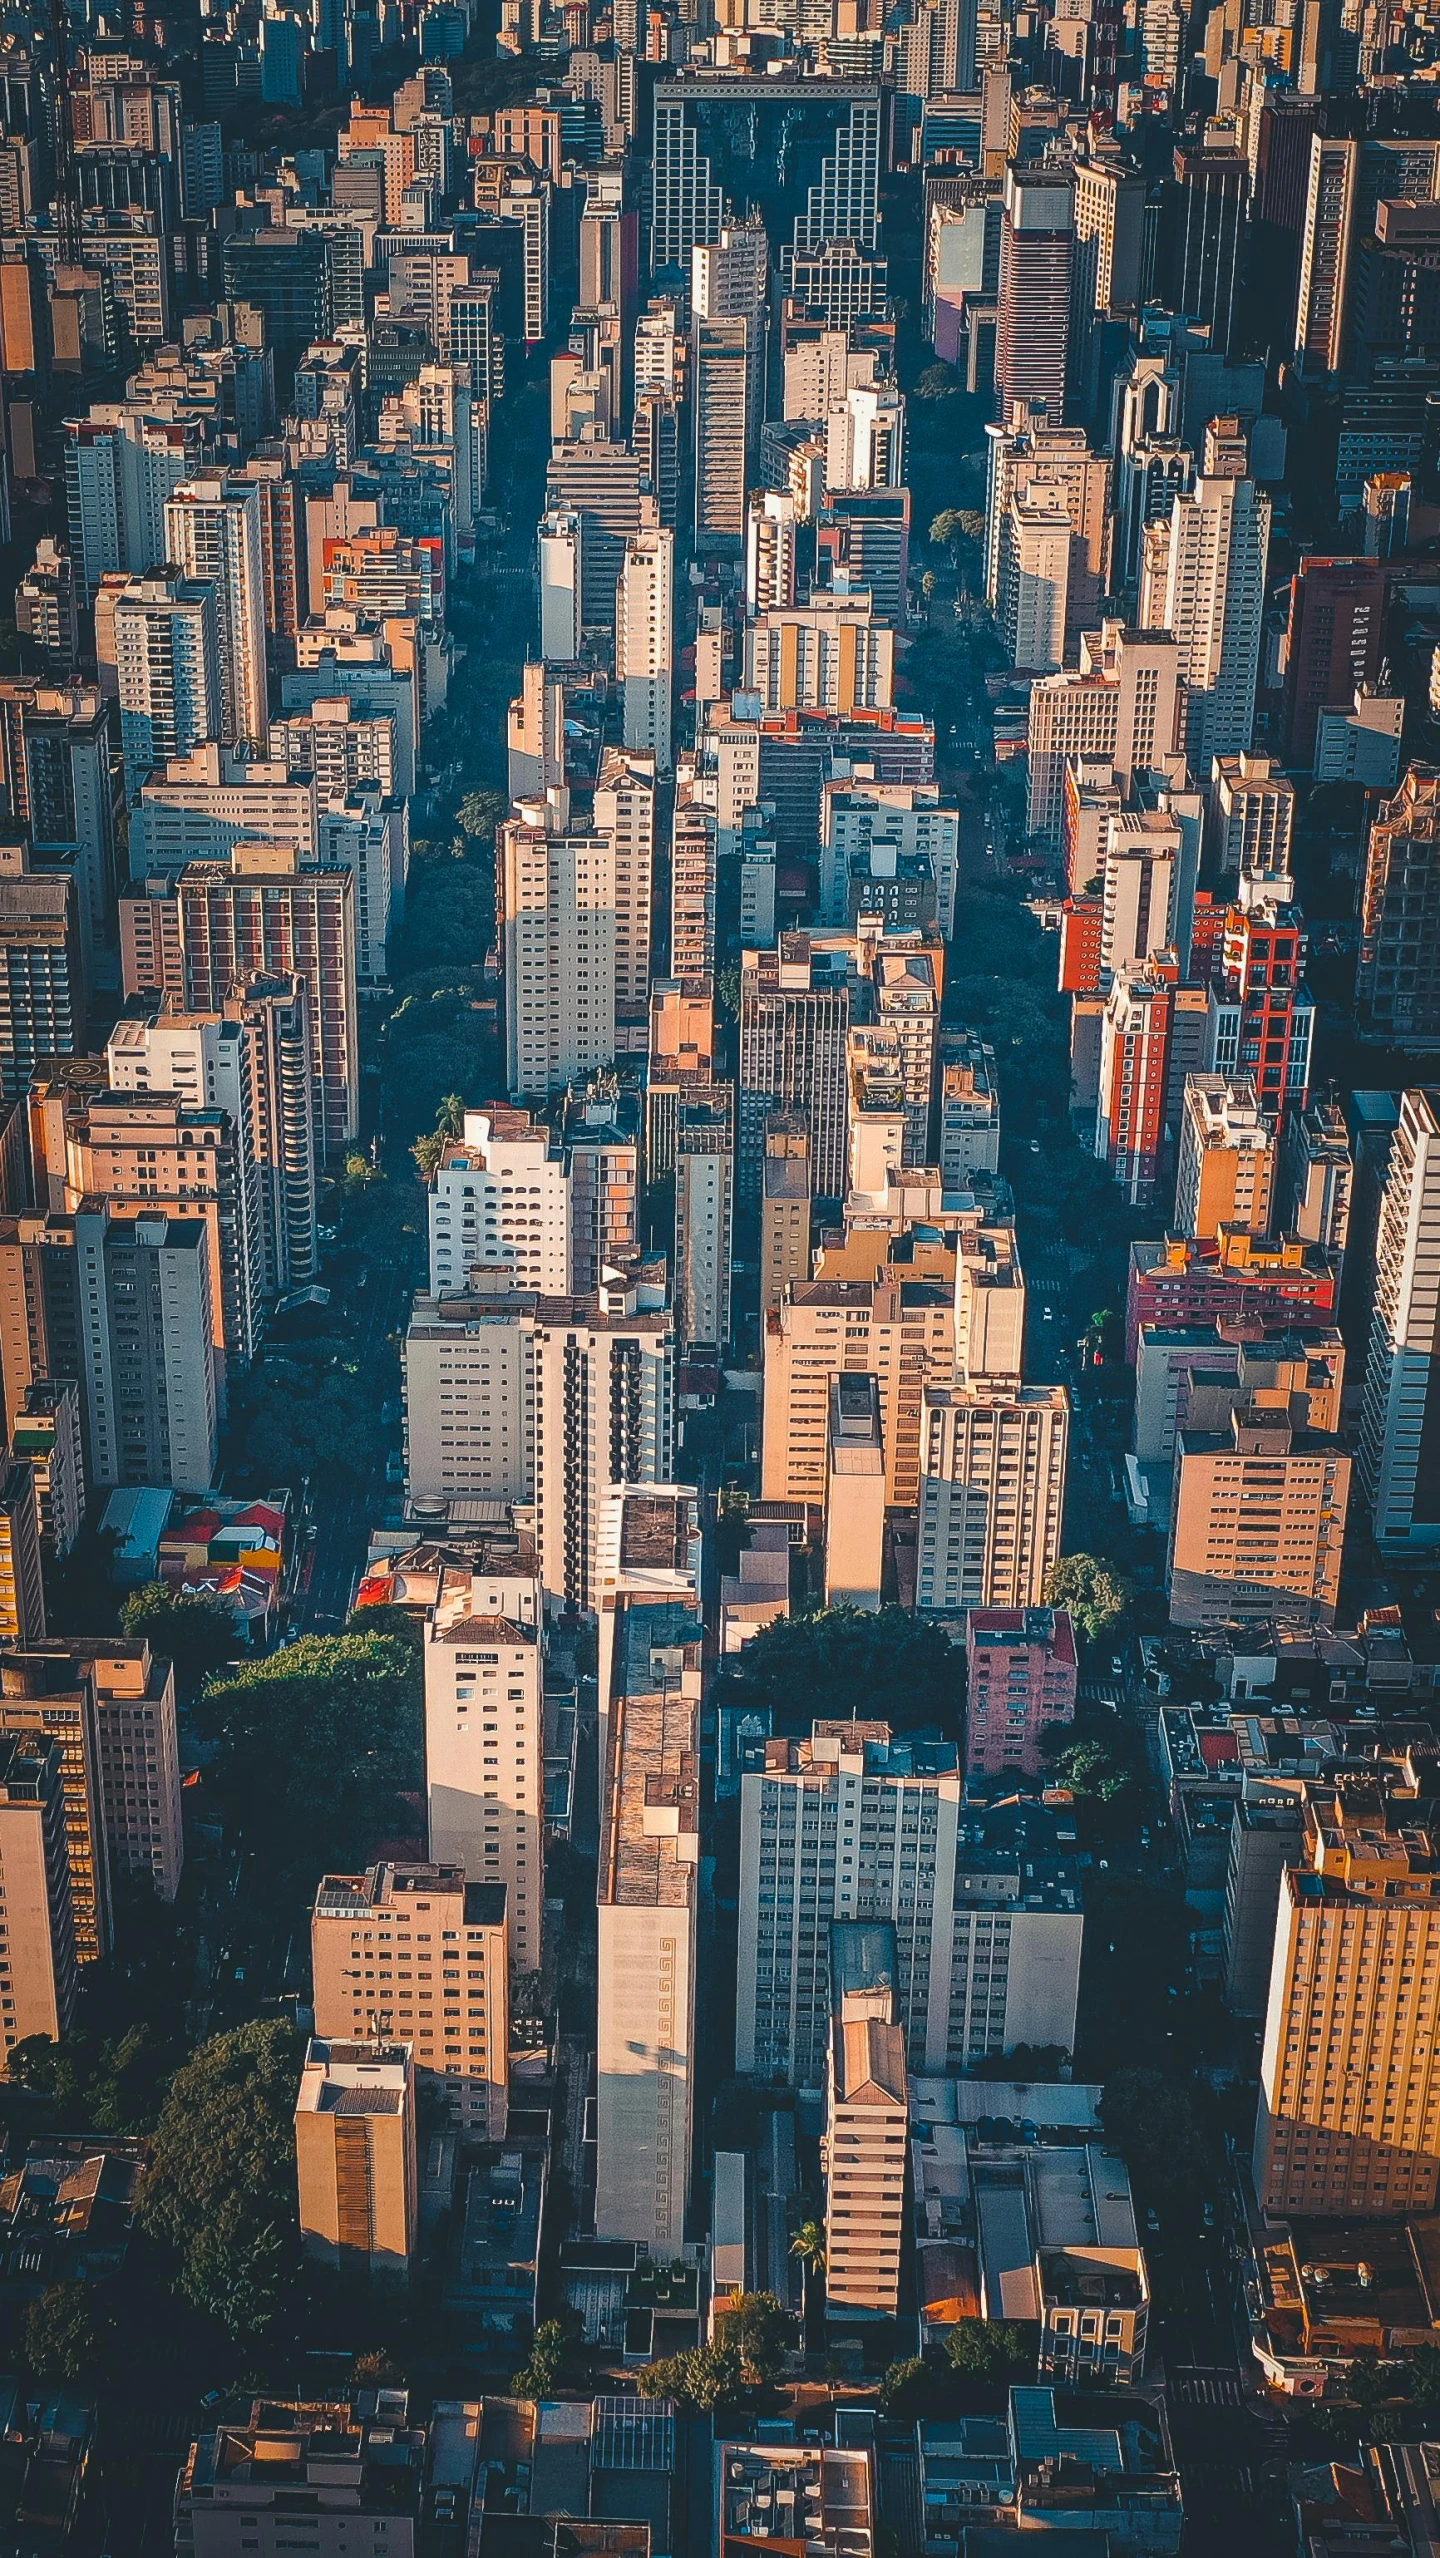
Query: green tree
{"x":449,"y":1123}
{"x":761,"y":2332}
{"x":708,"y":2377}
{"x":947,"y":530}
{"x":1091,"y":1589}
{"x":481,"y":811}
{"x":539,"y":2375}
{"x":886,"y":1666}
{"x":190,"y":1628}
{"x":808,"y":2244}
{"x":341,"y":1715}
{"x":220,"y":2190}
{"x":62,"y":2334}
{"x":937,"y":382}
{"x":1155,"y":2124}
{"x":995,"y":2351}
{"x":907,"y":2390}
{"x":1087,"y":1765}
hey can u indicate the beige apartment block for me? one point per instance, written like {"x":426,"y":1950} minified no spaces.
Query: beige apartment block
{"x":867,"y":2117}
{"x":1225,"y":1170}
{"x":355,"y":2158}
{"x":900,"y":1331}
{"x":855,"y":1496}
{"x":1258,"y":1520}
{"x":37,"y":1965}
{"x":418,"y":1953}
{"x":648,"y":1894}
{"x":1349,"y":2117}
{"x":484,"y":1755}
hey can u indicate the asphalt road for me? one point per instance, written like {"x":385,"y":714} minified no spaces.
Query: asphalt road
{"x":343,"y":1520}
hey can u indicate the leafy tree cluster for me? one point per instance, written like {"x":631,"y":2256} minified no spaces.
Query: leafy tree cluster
{"x":191,"y":1628}
{"x":541,"y":2374}
{"x":761,"y":2332}
{"x":749,"y":2352}
{"x":111,"y":2083}
{"x":981,"y":2357}
{"x":1093,"y":1591}
{"x":306,"y":1409}
{"x":220,"y":2189}
{"x":1165,"y":2137}
{"x":316,"y":1746}
{"x":706,"y":2379}
{"x":887,"y":1666}
{"x":64,"y":2332}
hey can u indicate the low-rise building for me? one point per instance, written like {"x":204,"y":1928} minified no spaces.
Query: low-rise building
{"x":345,"y":2476}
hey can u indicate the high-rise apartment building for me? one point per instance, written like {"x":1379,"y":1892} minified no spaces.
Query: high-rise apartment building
{"x":1203,"y":577}
{"x":794,"y":1035}
{"x":1262,"y":1015}
{"x":863,"y":2150}
{"x":37,"y":1967}
{"x":1033,"y":455}
{"x":559,"y":932}
{"x":42,"y":969}
{"x":22,"y":1592}
{"x":540,"y":1399}
{"x":1335,"y":639}
{"x":220,"y":927}
{"x":1317,"y":1176}
{"x":992,"y":1494}
{"x":1032,"y":333}
{"x":897,"y":1329}
{"x":484,"y":1744}
{"x":730,"y":280}
{"x":722,"y":370}
{"x":500,"y":1200}
{"x":1397,"y":983}
{"x":212,"y":533}
{"x":831,"y":654}
{"x":1226,"y":1161}
{"x":1399,"y":1453}
{"x":1258,"y":1517}
{"x":47,"y":608}
{"x":704,"y":1171}
{"x":122,"y":465}
{"x":1349,"y":2116}
{"x":251,"y":1061}
{"x":969,"y":1109}
{"x":857,"y":1823}
{"x":167,"y":667}
{"x":417,"y":1954}
{"x":562,"y":593}
{"x":784,"y":1206}
{"x":46,"y":1693}
{"x":1251,"y":823}
{"x":869,"y":829}
{"x":355,"y":2159}
{"x":647,"y":1896}
{"x":1154,"y":1033}
{"x":1125,"y":703}
{"x":624,"y":809}
{"x":645,"y":643}
{"x":693,"y":872}
{"x":146,"y":1348}
{"x":46,"y":1435}
{"x":770,"y":548}
{"x":144,"y":1153}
